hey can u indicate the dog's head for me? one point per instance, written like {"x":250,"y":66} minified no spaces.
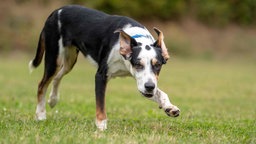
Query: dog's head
{"x":146,"y":58}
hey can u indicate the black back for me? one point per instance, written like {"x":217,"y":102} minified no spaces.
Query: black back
{"x":91,"y":31}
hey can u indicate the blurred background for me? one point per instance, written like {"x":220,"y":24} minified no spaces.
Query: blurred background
{"x":212,"y":29}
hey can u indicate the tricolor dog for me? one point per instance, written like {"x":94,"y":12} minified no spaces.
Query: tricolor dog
{"x":118,"y":45}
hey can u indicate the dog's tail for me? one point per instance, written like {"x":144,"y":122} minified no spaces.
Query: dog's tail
{"x":39,"y":53}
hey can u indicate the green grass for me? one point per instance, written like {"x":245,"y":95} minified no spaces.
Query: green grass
{"x":217,"y":102}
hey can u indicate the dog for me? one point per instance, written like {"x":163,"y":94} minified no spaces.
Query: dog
{"x":117,"y":45}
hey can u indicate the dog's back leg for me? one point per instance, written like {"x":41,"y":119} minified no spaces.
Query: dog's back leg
{"x":51,"y":65}
{"x":68,"y":58}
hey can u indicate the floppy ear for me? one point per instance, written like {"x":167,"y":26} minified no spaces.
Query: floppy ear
{"x":126,"y":43}
{"x":160,"y":43}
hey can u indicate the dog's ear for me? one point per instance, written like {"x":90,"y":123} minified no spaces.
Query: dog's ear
{"x":126,"y":43}
{"x":160,"y":43}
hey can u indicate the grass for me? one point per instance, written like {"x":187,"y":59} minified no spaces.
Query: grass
{"x":217,"y":100}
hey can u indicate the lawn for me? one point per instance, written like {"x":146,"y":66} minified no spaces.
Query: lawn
{"x":217,"y":101}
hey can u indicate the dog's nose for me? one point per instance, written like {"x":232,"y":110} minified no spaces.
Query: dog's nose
{"x":149,"y":86}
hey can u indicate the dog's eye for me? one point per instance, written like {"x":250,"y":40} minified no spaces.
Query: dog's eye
{"x":157,"y":66}
{"x":138,"y":66}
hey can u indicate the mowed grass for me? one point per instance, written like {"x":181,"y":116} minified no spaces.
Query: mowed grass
{"x":217,"y":101}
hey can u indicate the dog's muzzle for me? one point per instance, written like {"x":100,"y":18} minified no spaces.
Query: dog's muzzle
{"x":149,"y":89}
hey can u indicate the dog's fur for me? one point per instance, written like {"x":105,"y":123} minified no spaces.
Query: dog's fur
{"x":118,"y":45}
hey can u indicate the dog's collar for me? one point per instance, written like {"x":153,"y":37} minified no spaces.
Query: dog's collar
{"x":138,"y":36}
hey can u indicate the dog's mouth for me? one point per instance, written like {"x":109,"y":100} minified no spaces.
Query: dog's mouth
{"x":148,"y":95}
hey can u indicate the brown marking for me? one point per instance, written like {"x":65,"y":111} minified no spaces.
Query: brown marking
{"x":154,"y":61}
{"x":161,"y":44}
{"x":100,"y":112}
{"x":142,"y":63}
{"x":157,"y":76}
{"x":43,"y":85}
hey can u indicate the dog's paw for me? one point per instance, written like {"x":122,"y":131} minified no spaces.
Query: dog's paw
{"x":101,"y":125}
{"x":41,"y":116}
{"x":40,"y":112}
{"x":173,"y":111}
{"x":52,"y":102}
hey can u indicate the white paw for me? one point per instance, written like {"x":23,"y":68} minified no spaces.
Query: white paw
{"x":101,"y":125}
{"x":41,"y":116}
{"x":172,"y":111}
{"x":40,"y":112}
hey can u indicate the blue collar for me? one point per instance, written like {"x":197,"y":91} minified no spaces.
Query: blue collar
{"x":138,"y":36}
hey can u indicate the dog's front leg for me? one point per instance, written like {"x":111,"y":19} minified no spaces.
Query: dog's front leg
{"x":163,"y":100}
{"x":100,"y":88}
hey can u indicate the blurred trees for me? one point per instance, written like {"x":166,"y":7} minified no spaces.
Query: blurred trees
{"x":211,"y":12}
{"x":22,"y":20}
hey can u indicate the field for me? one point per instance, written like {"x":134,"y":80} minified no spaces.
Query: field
{"x":217,"y":101}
